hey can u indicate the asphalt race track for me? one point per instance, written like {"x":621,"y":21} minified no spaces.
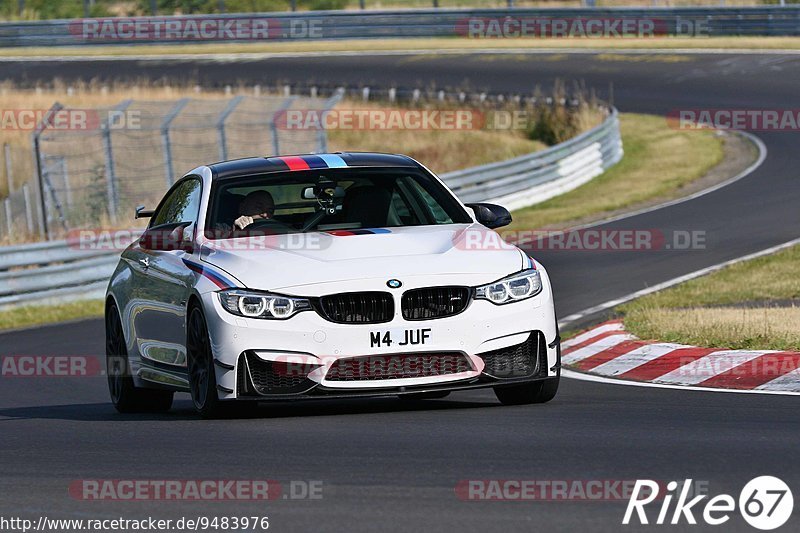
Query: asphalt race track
{"x":393,"y":466}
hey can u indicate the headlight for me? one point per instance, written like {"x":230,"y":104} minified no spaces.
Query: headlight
{"x":511,"y":289}
{"x":262,"y":305}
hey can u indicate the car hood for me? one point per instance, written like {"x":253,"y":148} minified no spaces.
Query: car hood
{"x":453,"y":253}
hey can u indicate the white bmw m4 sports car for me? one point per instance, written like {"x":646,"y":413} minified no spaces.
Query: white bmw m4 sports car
{"x":325,"y":276}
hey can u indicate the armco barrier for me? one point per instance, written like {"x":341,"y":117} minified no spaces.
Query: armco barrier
{"x":534,"y":178}
{"x":44,"y":273}
{"x":318,"y":25}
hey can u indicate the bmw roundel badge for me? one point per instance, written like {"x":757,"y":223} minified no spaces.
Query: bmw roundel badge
{"x":394,"y":283}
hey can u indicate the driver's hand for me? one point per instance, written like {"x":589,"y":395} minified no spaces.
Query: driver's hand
{"x":243,"y":221}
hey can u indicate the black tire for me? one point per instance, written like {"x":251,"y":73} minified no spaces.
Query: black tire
{"x":202,"y":376}
{"x":433,"y":395}
{"x":528,"y":393}
{"x":126,"y":397}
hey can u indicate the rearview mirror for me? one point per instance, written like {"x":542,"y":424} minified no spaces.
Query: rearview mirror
{"x":312,"y":193}
{"x":490,"y":215}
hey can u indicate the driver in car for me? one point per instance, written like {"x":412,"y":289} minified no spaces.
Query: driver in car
{"x":258,"y":205}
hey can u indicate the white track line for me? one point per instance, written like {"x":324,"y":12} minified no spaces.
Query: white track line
{"x":762,"y":155}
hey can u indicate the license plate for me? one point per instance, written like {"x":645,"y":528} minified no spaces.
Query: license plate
{"x":399,"y":337}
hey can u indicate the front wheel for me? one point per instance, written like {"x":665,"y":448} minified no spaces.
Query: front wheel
{"x":202,"y":377}
{"x":126,"y":397}
{"x":537,"y":392}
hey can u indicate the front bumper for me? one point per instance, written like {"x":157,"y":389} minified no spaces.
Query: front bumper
{"x":244,"y":348}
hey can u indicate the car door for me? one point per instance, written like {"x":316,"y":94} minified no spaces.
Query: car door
{"x":165,"y":282}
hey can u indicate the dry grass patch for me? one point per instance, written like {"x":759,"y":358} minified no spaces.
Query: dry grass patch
{"x":721,"y":327}
{"x":691,"y":313}
{"x":442,"y":43}
{"x":440,"y":150}
{"x":658,"y":161}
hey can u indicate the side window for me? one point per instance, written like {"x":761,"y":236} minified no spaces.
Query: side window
{"x":181,"y":205}
{"x":430,"y":205}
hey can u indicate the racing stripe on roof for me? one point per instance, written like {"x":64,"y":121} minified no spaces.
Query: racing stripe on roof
{"x":333,"y":161}
{"x":295,"y":162}
{"x":314,"y":161}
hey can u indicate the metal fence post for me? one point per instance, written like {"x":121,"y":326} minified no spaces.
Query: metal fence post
{"x":153,"y":7}
{"x":5,"y":218}
{"x":165,"y":124}
{"x":44,"y":230}
{"x":9,"y":215}
{"x":48,"y":184}
{"x":322,"y":134}
{"x":9,"y":174}
{"x":293,"y":5}
{"x":223,"y":141}
{"x":28,"y":208}
{"x":21,"y":6}
{"x":222,"y":6}
{"x":9,"y":218}
{"x":111,"y":178}
{"x":273,"y":123}
{"x":361,"y":4}
{"x":67,"y":184}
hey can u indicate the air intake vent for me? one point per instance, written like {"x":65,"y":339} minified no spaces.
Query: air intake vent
{"x":520,"y":360}
{"x":257,"y":377}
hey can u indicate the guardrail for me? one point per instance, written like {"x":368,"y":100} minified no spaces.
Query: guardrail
{"x":325,"y":25}
{"x":534,"y":178}
{"x":52,"y":272}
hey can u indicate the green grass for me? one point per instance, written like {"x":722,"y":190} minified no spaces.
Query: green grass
{"x":699,"y":311}
{"x":24,"y":317}
{"x":658,"y":161}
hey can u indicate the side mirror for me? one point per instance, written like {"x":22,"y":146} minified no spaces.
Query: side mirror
{"x":490,"y":215}
{"x":167,"y":238}
{"x":141,"y":212}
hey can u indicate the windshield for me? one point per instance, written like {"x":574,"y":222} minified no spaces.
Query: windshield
{"x":330,"y":200}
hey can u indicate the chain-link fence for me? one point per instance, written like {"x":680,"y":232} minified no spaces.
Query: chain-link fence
{"x":94,"y":166}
